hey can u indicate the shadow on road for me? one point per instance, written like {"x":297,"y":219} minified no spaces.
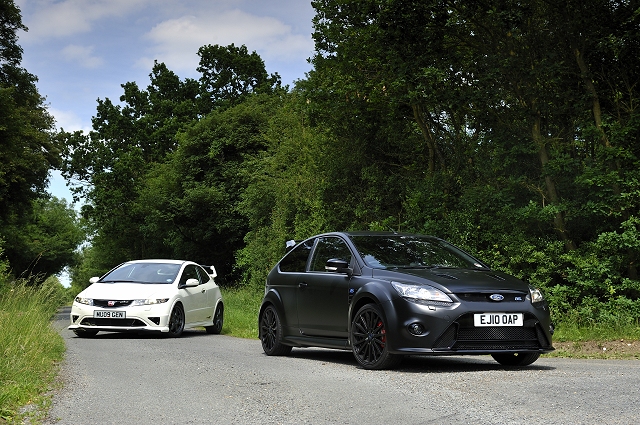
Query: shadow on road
{"x":415,"y":364}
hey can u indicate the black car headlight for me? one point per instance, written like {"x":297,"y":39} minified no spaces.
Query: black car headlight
{"x":421,"y":292}
{"x":536,"y":295}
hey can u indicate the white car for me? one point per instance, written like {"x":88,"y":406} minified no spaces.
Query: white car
{"x":150,"y":295}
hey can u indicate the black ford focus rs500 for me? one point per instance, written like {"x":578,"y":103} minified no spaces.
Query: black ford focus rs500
{"x":387,"y":295}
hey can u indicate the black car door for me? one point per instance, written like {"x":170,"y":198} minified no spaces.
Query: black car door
{"x":290,"y":272}
{"x":323,"y":296}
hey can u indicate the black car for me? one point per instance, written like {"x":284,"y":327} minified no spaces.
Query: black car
{"x":385,"y":295}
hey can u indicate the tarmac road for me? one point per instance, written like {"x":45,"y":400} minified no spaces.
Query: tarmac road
{"x":216,"y":379}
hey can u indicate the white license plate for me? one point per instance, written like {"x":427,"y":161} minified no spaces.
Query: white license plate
{"x":498,"y":319}
{"x":109,"y":314}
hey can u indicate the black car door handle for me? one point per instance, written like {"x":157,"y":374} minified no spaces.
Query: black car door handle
{"x":302,"y":285}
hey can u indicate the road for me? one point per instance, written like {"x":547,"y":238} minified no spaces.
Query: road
{"x":217,"y":379}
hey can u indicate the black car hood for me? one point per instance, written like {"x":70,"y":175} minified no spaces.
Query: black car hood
{"x":457,"y":280}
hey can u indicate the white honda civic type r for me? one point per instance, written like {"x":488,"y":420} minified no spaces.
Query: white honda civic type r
{"x":165,"y":296}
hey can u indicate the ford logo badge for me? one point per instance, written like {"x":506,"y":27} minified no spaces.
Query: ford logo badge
{"x":496,"y":297}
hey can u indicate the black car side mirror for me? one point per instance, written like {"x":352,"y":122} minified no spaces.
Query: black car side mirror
{"x":338,"y":265}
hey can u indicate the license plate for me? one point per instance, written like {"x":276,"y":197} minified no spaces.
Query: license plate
{"x":498,"y":319}
{"x":109,"y":314}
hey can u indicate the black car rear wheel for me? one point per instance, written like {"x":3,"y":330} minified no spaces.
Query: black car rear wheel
{"x":271,"y":333}
{"x":369,"y":339}
{"x":218,"y":320}
{"x":515,"y":359}
{"x":176,"y":321}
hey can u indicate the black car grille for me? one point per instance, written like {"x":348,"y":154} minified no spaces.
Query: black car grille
{"x":115,"y":303}
{"x":462,"y":335}
{"x":484,"y":297}
{"x":127,"y":323}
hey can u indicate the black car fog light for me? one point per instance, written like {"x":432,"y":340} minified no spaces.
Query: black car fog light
{"x":155,"y":320}
{"x":416,"y":329}
{"x":74,"y":318}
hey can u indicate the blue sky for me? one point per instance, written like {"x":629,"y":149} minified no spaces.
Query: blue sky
{"x":82,"y":50}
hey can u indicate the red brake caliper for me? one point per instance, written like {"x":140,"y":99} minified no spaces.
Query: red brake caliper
{"x":383,"y":332}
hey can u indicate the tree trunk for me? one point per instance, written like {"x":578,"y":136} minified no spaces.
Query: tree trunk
{"x":428,"y":137}
{"x":558,"y":220}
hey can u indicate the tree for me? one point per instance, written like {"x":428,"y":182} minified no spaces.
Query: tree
{"x":28,"y":152}
{"x":43,"y":242}
{"x":26,"y":147}
{"x":231,"y":73}
{"x":155,"y":167}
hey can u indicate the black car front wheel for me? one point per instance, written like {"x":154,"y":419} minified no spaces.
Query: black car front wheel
{"x":176,"y":321}
{"x":369,"y":339}
{"x":515,"y":359}
{"x":218,"y":320}
{"x":271,"y":333}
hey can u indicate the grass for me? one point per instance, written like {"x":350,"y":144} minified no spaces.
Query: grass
{"x":241,"y":312}
{"x":568,"y":331}
{"x":30,"y":348}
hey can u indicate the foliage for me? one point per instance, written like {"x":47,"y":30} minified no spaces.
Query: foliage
{"x":43,"y":240}
{"x":31,"y":347}
{"x":241,"y":306}
{"x":162,"y":173}
{"x":26,"y":146}
{"x":39,"y":235}
{"x":507,"y":127}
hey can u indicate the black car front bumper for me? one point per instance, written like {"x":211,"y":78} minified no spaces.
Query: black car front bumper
{"x":448,"y":330}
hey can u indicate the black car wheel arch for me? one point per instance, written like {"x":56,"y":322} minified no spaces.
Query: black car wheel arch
{"x":271,"y":332}
{"x":368,"y":337}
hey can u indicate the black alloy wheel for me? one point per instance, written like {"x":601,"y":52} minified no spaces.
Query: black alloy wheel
{"x":176,"y":321}
{"x":271,"y":333}
{"x":369,"y":339}
{"x":85,"y":333}
{"x":218,"y":320}
{"x":515,"y":359}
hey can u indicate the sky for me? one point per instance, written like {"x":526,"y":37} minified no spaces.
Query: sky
{"x":82,"y":50}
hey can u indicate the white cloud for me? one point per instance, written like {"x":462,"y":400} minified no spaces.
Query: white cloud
{"x":176,"y":41}
{"x":51,"y":18}
{"x":82,"y":55}
{"x":69,"y":121}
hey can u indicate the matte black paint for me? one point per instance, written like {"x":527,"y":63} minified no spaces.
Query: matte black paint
{"x":316,"y":308}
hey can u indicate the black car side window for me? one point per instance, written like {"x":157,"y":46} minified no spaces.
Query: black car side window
{"x":327,"y":249}
{"x":296,"y":260}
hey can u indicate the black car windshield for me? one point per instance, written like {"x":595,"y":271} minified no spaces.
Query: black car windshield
{"x":407,"y":251}
{"x":143,"y":273}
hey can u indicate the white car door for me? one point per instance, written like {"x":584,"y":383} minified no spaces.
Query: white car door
{"x":212,"y":292}
{"x":194,"y":298}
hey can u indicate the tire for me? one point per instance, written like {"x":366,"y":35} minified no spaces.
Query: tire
{"x":85,"y":333}
{"x":218,"y":321}
{"x":369,"y":340}
{"x":176,"y":321}
{"x":515,"y":359}
{"x":271,"y":333}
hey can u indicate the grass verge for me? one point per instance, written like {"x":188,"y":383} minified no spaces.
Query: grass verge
{"x":241,"y":308}
{"x":30,"y":348}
